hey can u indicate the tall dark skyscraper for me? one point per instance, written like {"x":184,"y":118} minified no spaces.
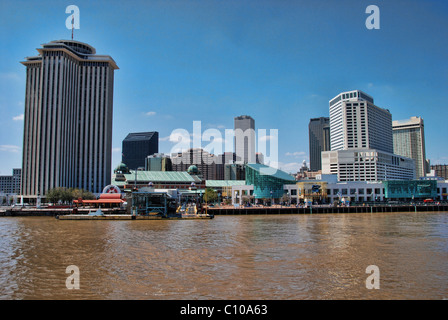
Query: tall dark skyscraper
{"x":67,"y":139}
{"x":319,"y":140}
{"x":137,"y":146}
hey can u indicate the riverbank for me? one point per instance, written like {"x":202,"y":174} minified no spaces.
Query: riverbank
{"x":29,"y":212}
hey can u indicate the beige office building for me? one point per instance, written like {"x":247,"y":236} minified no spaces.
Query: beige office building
{"x":409,"y":141}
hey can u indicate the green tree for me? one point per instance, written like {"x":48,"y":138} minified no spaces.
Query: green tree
{"x":210,"y":195}
{"x":81,"y":193}
{"x":54,"y":195}
{"x":66,"y":195}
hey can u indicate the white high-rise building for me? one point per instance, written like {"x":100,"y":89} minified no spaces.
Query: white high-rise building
{"x":245,"y":139}
{"x":355,"y":122}
{"x":68,"y":118}
{"x":362,"y":142}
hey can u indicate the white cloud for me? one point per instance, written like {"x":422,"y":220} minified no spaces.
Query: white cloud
{"x":291,"y":167}
{"x":9,"y":148}
{"x":150,"y":113}
{"x":440,"y":160}
{"x":215,"y":126}
{"x":296,"y":154}
{"x":9,"y":76}
{"x":265,"y":138}
{"x":20,"y":117}
{"x":167,"y":138}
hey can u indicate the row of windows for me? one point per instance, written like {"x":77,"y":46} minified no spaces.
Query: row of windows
{"x":346,"y":191}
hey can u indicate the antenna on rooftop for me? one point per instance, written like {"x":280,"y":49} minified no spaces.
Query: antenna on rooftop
{"x":73,"y":24}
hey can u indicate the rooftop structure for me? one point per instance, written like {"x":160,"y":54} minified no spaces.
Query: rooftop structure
{"x":157,"y":179}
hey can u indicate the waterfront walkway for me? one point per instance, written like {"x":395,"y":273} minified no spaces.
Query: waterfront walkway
{"x":327,"y":209}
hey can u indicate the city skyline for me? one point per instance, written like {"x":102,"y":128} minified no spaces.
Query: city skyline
{"x":210,"y":62}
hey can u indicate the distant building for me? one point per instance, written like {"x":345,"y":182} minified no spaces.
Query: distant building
{"x":319,"y":140}
{"x":409,"y":141}
{"x":137,"y":146}
{"x":259,"y":158}
{"x":158,"y":162}
{"x":441,"y":170}
{"x":306,"y":173}
{"x":67,"y":139}
{"x":245,"y":139}
{"x":234,"y":171}
{"x":207,"y":164}
{"x":11,"y":184}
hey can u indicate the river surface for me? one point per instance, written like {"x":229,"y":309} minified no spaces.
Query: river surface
{"x":278,"y":257}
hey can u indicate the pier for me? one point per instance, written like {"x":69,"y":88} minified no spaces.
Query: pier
{"x":121,"y":214}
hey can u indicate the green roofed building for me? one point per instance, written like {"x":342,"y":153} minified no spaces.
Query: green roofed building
{"x":268,"y":182}
{"x":223,"y":183}
{"x":158,"y":179}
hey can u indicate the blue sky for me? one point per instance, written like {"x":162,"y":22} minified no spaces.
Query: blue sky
{"x":207,"y":60}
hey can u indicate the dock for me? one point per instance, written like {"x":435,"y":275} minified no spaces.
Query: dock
{"x":128,"y":217}
{"x":111,"y":214}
